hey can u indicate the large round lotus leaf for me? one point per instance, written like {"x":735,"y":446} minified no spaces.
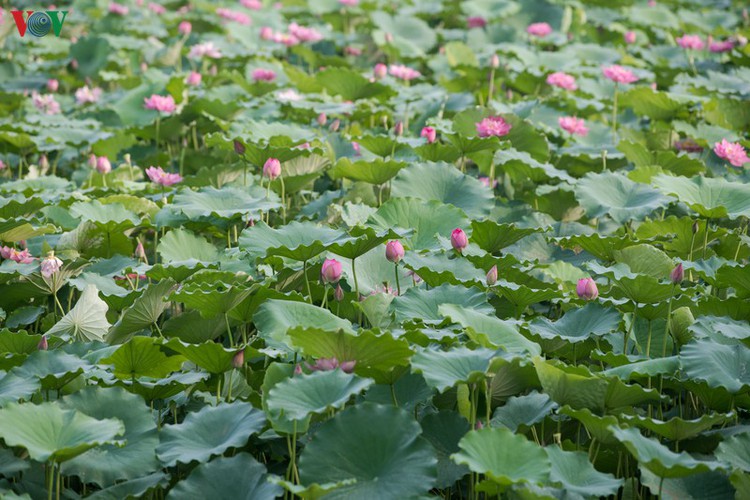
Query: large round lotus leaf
{"x":350,"y":84}
{"x":208,"y":432}
{"x":142,"y":357}
{"x":316,"y":393}
{"x":50,"y":432}
{"x":443,"y":182}
{"x":703,"y":486}
{"x":412,"y":36}
{"x":726,"y":366}
{"x":571,"y":386}
{"x":136,"y":488}
{"x":652,"y":367}
{"x":492,"y":236}
{"x":422,"y":304}
{"x":296,"y":240}
{"x":578,"y":325}
{"x":275,"y":318}
{"x":444,"y":369}
{"x":365,"y":239}
{"x":373,"y":269}
{"x":224,"y":203}
{"x":576,"y":474}
{"x":180,"y":245}
{"x":211,"y":356}
{"x":87,"y":320}
{"x":210,"y":300}
{"x":709,"y":197}
{"x":143,"y":313}
{"x":107,"y":464}
{"x":617,"y":196}
{"x":676,"y":428}
{"x":14,"y":387}
{"x":372,"y":172}
{"x":237,"y":477}
{"x":659,"y":459}
{"x":437,"y":268}
{"x":378,"y":446}
{"x":444,"y":430}
{"x":426,"y":218}
{"x":505,"y":457}
{"x":599,"y":428}
{"x":523,"y":410}
{"x":112,"y":216}
{"x":53,"y":369}
{"x":645,"y":259}
{"x":735,"y":451}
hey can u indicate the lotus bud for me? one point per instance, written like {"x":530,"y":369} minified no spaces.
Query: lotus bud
{"x":338,"y":293}
{"x":185,"y":28}
{"x":347,"y":366}
{"x":126,"y":157}
{"x":380,"y":71}
{"x":92,"y":161}
{"x":479,"y":425}
{"x":492,"y":276}
{"x":322,"y":119}
{"x":140,"y":252}
{"x":238,"y":361}
{"x":459,"y":241}
{"x":103,"y":166}
{"x":330,"y":272}
{"x":334,"y":126}
{"x":586,"y":289}
{"x":52,"y":85}
{"x":298,"y":370}
{"x":272,"y":168}
{"x":43,"y":162}
{"x":398,"y":129}
{"x":677,"y":274}
{"x":239,"y":148}
{"x":629,"y":37}
{"x":495,"y":61}
{"x":43,"y":345}
{"x":394,"y":251}
{"x":695,"y":227}
{"x":388,"y":38}
{"x":429,"y":133}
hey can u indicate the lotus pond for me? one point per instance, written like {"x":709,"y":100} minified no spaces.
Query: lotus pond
{"x":378,"y":250}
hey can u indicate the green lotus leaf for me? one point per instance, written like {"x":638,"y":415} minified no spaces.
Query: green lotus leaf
{"x":441,"y":267}
{"x":600,"y":246}
{"x":375,"y":171}
{"x":87,"y":320}
{"x":598,"y":427}
{"x":54,"y":369}
{"x":444,"y":430}
{"x":709,"y":197}
{"x":212,"y":357}
{"x":645,"y":259}
{"x":300,"y":241}
{"x":617,"y":196}
{"x":378,"y":446}
{"x":142,"y":357}
{"x":571,"y":386}
{"x":693,"y":487}
{"x":422,"y":304}
{"x":14,"y":387}
{"x":112,"y":216}
{"x":523,"y":296}
{"x":133,"y":488}
{"x":210,"y":300}
{"x":364,"y":239}
{"x":726,"y":366}
{"x":492,"y":236}
{"x":444,"y":369}
{"x":735,"y":451}
{"x":523,"y":410}
{"x":676,"y":428}
{"x":180,"y":245}
{"x":381,"y":145}
{"x":575,"y":473}
{"x":350,"y":84}
{"x":224,"y":203}
{"x":144,"y":312}
{"x":651,"y":367}
{"x":10,"y":464}
{"x":312,"y":491}
{"x":652,"y":103}
{"x":18,"y":342}
{"x":275,"y":318}
{"x":578,"y":325}
{"x":209,"y":432}
{"x":411,"y":36}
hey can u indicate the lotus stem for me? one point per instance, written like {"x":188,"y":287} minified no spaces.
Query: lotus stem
{"x":614,"y":115}
{"x":393,"y":395}
{"x":705,"y":241}
{"x":307,"y":282}
{"x":283,"y":198}
{"x":398,"y":285}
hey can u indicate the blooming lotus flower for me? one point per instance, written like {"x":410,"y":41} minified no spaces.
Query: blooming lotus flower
{"x":629,"y":37}
{"x":328,"y":364}
{"x":266,"y":33}
{"x":304,"y":34}
{"x":403,"y":72}
{"x":352,"y":51}
{"x":476,"y":22}
{"x":50,"y":265}
{"x":493,"y":126}
{"x":22,"y":257}
{"x":677,"y":274}
{"x":45,"y":103}
{"x":459,"y":241}
{"x":573,"y":125}
{"x":207,"y":50}
{"x":185,"y":28}
{"x":118,"y":9}
{"x":162,"y":104}
{"x":252,"y":4}
{"x":265,"y":75}
{"x":238,"y":360}
{"x":156,"y":8}
{"x":486,"y":182}
{"x":52,"y":85}
{"x":394,"y":251}
{"x":86,"y":95}
{"x":234,"y":16}
{"x":103,"y":166}
{"x":618,"y":74}
{"x":691,"y":42}
{"x":717,"y":47}
{"x":272,"y":168}
{"x":586,"y":289}
{"x":733,"y":152}
{"x":331,"y":270}
{"x":492,"y":276}
{"x":159,"y":176}
{"x":194,"y":79}
{"x":429,"y":133}
{"x":562,"y":80}
{"x":539,"y":30}
{"x":379,"y":71}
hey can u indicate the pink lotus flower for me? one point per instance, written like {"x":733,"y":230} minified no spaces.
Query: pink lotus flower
{"x":252,"y":4}
{"x":429,"y":133}
{"x":328,"y":364}
{"x":733,"y":152}
{"x":573,"y":125}
{"x":156,"y":8}
{"x":349,"y":3}
{"x":629,"y":37}
{"x":118,"y":9}
{"x":321,"y":119}
{"x":207,"y":50}
{"x":486,"y":182}
{"x":331,"y":270}
{"x":45,"y":103}
{"x":234,"y":16}
{"x":43,"y":162}
{"x":691,"y":42}
{"x":493,"y":126}
{"x":159,"y":176}
{"x":357,"y":148}
{"x":304,"y":34}
{"x":492,"y":276}
{"x":193,"y":79}
{"x":185,"y":28}
{"x":394,"y":251}
{"x":403,"y":72}
{"x":352,"y":51}
{"x":379,"y":71}
{"x":52,"y":85}
{"x":717,"y":47}
{"x":103,"y":166}
{"x":476,"y":22}
{"x":272,"y":168}
{"x":2,"y":165}
{"x":92,"y":161}
{"x":265,"y":75}
{"x":677,"y":274}
{"x":586,"y":289}
{"x":562,"y":80}
{"x":539,"y":30}
{"x":162,"y":104}
{"x":398,"y":128}
{"x":618,"y":74}
{"x":86,"y":95}
{"x":22,"y":257}
{"x":266,"y":33}
{"x":50,"y":265}
{"x":459,"y":241}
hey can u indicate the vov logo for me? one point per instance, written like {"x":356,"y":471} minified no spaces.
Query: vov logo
{"x":39,"y":23}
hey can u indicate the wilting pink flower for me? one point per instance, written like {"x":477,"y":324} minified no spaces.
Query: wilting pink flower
{"x":586,"y":289}
{"x":476,"y":22}
{"x":193,"y":79}
{"x":86,"y":95}
{"x":272,"y":168}
{"x":45,"y":103}
{"x":429,"y":133}
{"x":677,"y":274}
{"x":573,"y":125}
{"x":403,"y":72}
{"x":733,"y":152}
{"x":207,"y":49}
{"x":492,"y":276}
{"x":52,"y":85}
{"x":159,"y":176}
{"x":330,"y":272}
{"x":328,"y":364}
{"x":493,"y":126}
{"x":349,"y":3}
{"x":379,"y":71}
{"x":185,"y":28}
{"x":304,"y":34}
{"x":688,"y":145}
{"x":162,"y":104}
{"x":252,"y":4}
{"x":618,"y":74}
{"x":629,"y":37}
{"x":486,"y":182}
{"x":118,"y":9}
{"x":691,"y":42}
{"x":233,"y":15}
{"x":43,"y":345}
{"x":539,"y":29}
{"x":562,"y":80}
{"x":156,"y":8}
{"x":50,"y":265}
{"x":724,"y":46}
{"x":459,"y":241}
{"x":265,"y":75}
{"x":394,"y":251}
{"x":238,"y":361}
{"x":103,"y":166}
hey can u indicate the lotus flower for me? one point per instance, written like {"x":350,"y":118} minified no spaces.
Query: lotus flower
{"x":677,"y":274}
{"x":50,"y":265}
{"x":265,"y":75}
{"x":330,"y":272}
{"x":272,"y":168}
{"x":159,"y":176}
{"x":629,"y":37}
{"x":185,"y":28}
{"x":162,"y":104}
{"x":328,"y":364}
{"x":718,"y":47}
{"x":238,"y":361}
{"x":321,"y":119}
{"x":573,"y":125}
{"x":493,"y":126}
{"x":304,"y":34}
{"x":234,"y":16}
{"x":394,"y":251}
{"x":539,"y":30}
{"x":492,"y":276}
{"x":691,"y":42}
{"x":398,"y":128}
{"x":86,"y":95}
{"x":349,"y":3}
{"x":495,"y":61}
{"x":459,"y":241}
{"x":103,"y":166}
{"x":140,"y":252}
{"x":733,"y":152}
{"x":118,"y":9}
{"x":52,"y":85}
{"x":618,"y":74}
{"x":207,"y":50}
{"x":156,"y":8}
{"x":22,"y":257}
{"x":194,"y":79}
{"x":45,"y":103}
{"x":429,"y":133}
{"x":476,"y":22}
{"x":562,"y":80}
{"x":379,"y":71}
{"x":43,"y":345}
{"x":338,"y":293}
{"x":486,"y":182}
{"x":586,"y":289}
{"x":403,"y":72}
{"x":252,"y":4}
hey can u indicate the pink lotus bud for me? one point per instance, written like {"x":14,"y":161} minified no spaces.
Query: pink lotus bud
{"x":330,"y":272}
{"x":338,"y":293}
{"x":144,"y":67}
{"x":629,"y":37}
{"x":479,"y":425}
{"x":394,"y":251}
{"x":50,"y":265}
{"x":298,"y":370}
{"x":74,"y":64}
{"x":347,"y":366}
{"x":272,"y":168}
{"x":140,"y":252}
{"x":238,"y":361}
{"x":92,"y":161}
{"x":193,"y":79}
{"x":586,"y":289}
{"x":322,"y":119}
{"x":379,"y":71}
{"x":266,"y":33}
{"x":429,"y":133}
{"x":239,"y":148}
{"x":398,"y":129}
{"x":495,"y":61}
{"x":185,"y":28}
{"x":52,"y":85}
{"x":388,"y":38}
{"x":43,"y":345}
{"x":677,"y":274}
{"x":459,"y":240}
{"x":103,"y":166}
{"x":334,"y":126}
{"x":492,"y":276}
{"x":43,"y":162}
